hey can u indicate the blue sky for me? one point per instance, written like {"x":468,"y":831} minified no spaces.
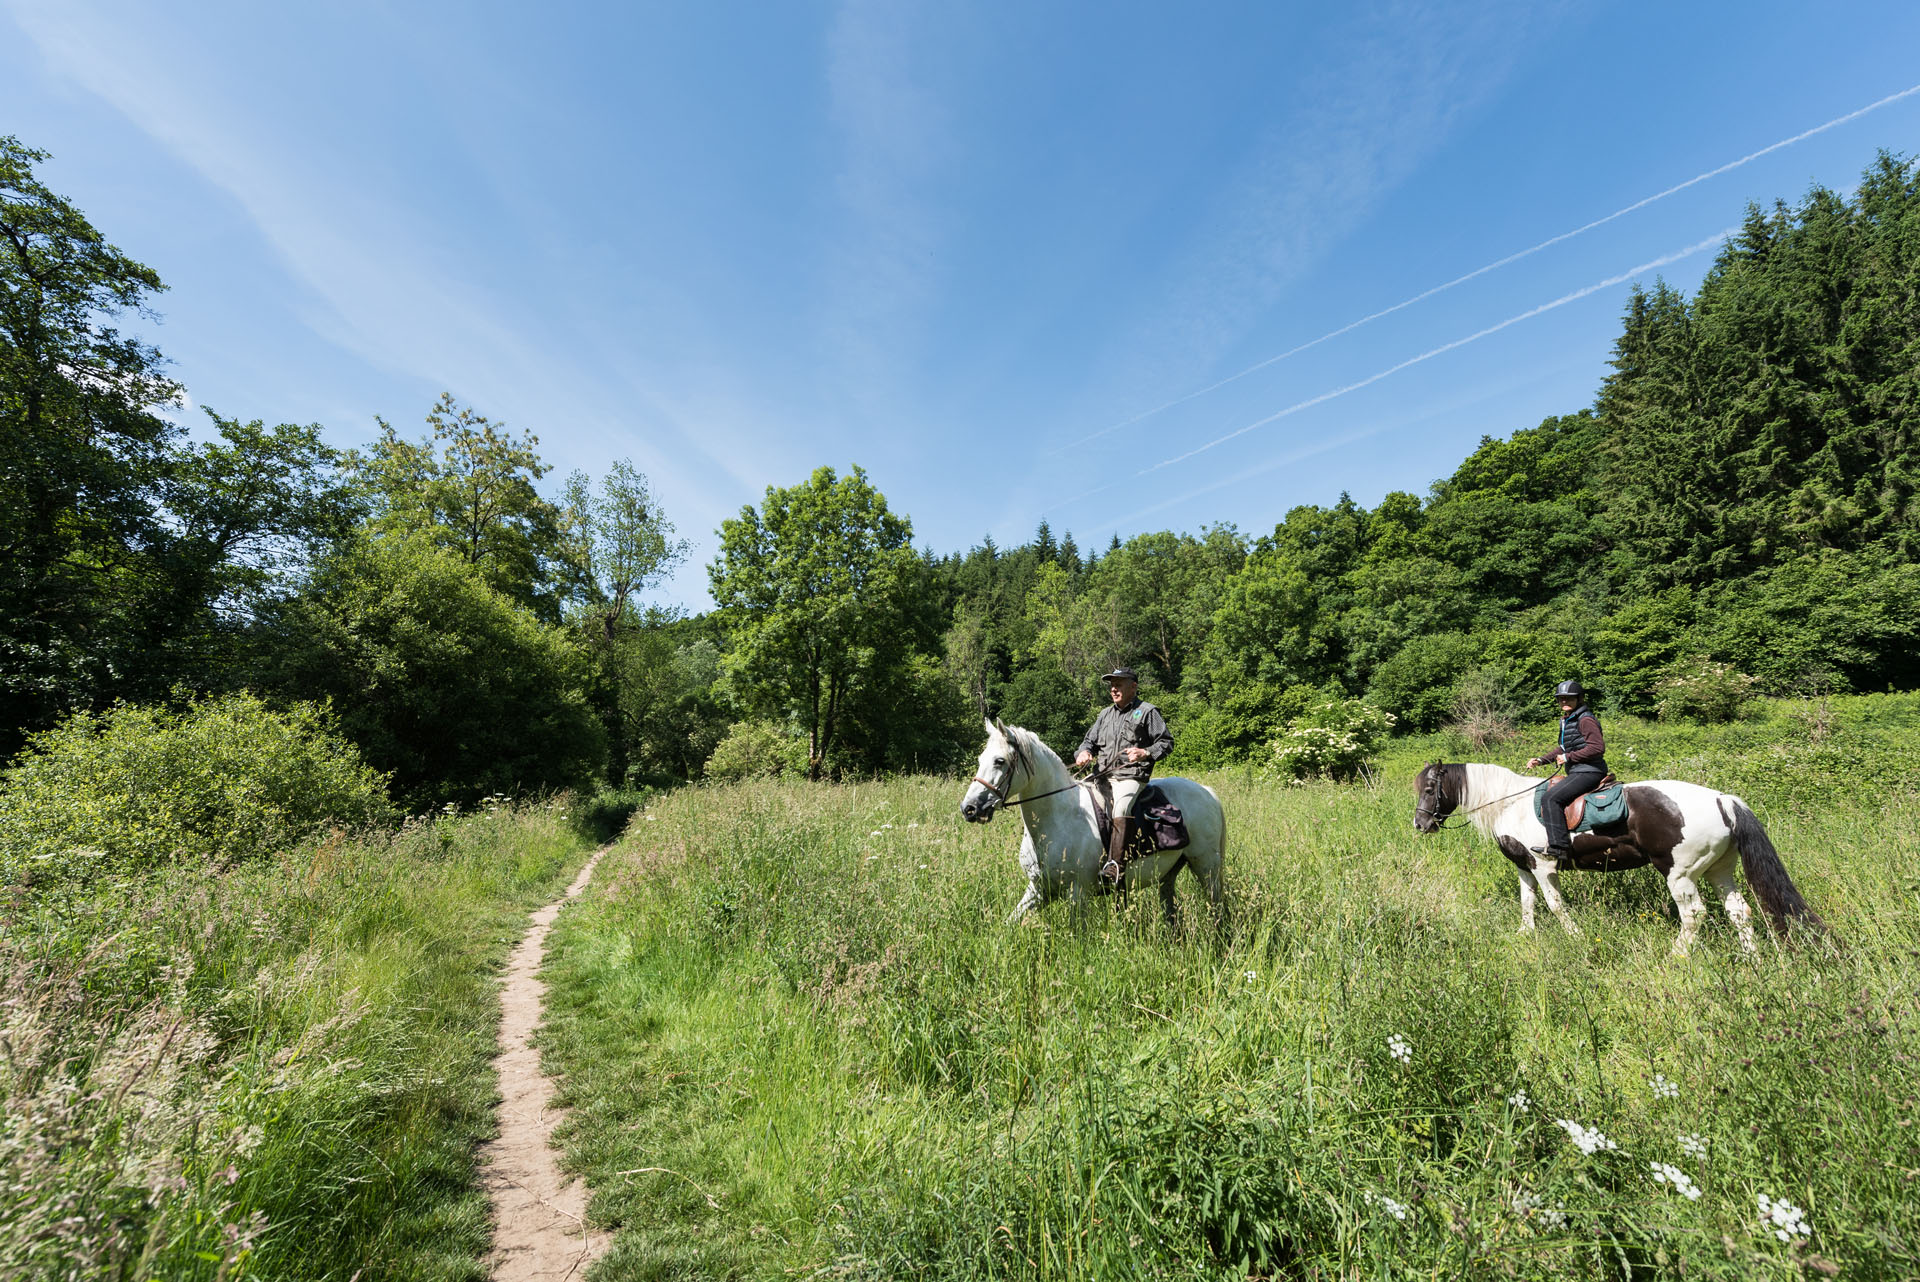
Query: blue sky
{"x":967,"y":247}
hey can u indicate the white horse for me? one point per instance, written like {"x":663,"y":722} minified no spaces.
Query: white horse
{"x":1061,"y":851}
{"x":1685,"y":831}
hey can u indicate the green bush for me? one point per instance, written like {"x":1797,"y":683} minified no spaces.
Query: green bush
{"x":224,"y":779}
{"x":605,"y":815}
{"x":441,"y":681}
{"x":1698,"y":689}
{"x":1417,"y":683}
{"x":1332,"y":741}
{"x":757,"y":750}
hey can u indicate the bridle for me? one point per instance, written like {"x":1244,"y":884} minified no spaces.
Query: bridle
{"x":1442,"y":823}
{"x":1000,"y":793}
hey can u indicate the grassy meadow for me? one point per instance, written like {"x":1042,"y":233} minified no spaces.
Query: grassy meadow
{"x":799,"y":1041}
{"x":274,"y":1069}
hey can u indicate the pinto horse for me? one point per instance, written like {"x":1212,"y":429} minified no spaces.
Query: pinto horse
{"x":1687,"y":832}
{"x":1060,"y":849}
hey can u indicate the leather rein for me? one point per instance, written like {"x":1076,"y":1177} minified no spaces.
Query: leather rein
{"x":1001,"y":794}
{"x":1444,"y":822}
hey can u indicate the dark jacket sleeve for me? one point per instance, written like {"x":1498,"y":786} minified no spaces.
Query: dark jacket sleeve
{"x":1159,"y":739}
{"x":1596,"y":746}
{"x":1091,"y":743}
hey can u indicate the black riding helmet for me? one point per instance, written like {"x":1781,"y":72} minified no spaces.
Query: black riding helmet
{"x":1569,"y":690}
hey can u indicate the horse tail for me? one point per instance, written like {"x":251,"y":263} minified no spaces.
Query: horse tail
{"x":1779,"y":898}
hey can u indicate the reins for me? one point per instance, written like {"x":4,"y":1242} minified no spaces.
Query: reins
{"x":1446,"y":823}
{"x":1019,"y":759}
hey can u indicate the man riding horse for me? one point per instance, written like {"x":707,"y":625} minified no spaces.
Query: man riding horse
{"x":1582,"y":751}
{"x":1127,"y":738}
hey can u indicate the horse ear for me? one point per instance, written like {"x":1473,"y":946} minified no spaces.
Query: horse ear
{"x":1001,"y":726}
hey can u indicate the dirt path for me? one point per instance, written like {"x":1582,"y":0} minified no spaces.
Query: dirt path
{"x":540,"y":1232}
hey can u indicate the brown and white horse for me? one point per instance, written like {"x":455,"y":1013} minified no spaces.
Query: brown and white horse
{"x":1687,"y":832}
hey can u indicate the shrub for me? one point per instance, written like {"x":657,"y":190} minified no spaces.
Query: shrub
{"x":1484,"y":709}
{"x":1698,"y":689}
{"x":1332,"y":741}
{"x":223,"y":779}
{"x":605,"y":815}
{"x":757,"y":750}
{"x":1417,"y":683}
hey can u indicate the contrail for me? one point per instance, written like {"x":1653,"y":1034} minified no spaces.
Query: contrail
{"x":1563,"y":300}
{"x":1551,"y":241}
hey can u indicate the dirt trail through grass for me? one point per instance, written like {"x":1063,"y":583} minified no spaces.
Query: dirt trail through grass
{"x":540,"y":1229}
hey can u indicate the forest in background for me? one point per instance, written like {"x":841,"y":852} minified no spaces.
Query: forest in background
{"x":1734,"y":514}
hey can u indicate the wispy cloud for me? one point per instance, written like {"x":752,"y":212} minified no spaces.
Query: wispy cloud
{"x":893,"y":135}
{"x":1497,"y":264}
{"x":1406,"y":74}
{"x":1641,"y":269}
{"x":374,"y":274}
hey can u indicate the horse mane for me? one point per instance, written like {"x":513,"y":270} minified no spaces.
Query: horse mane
{"x":1487,"y":786}
{"x":1035,"y":749}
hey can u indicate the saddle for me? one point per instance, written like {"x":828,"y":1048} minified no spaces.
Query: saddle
{"x":1157,"y":823}
{"x":1604,"y":807}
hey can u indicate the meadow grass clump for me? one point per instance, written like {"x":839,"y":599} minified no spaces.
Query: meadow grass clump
{"x":279,"y":1071}
{"x":797,"y":1037}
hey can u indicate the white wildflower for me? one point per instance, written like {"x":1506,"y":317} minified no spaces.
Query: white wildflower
{"x":923,"y":867}
{"x":1533,"y":1206}
{"x":650,"y":819}
{"x":1590,"y":1140}
{"x":1693,"y":1145}
{"x":1398,"y":1210}
{"x":1400,"y":1048}
{"x":913,"y":825}
{"x":874,"y":833}
{"x":885,"y":826}
{"x":1782,"y":1218}
{"x":1665,"y":1174}
{"x":1664,"y":1089}
{"x":871,"y":858}
{"x":1520,"y":1101}
{"x":1251,"y":975}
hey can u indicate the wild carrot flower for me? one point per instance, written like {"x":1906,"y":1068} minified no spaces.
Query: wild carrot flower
{"x":1782,"y":1218}
{"x":1398,"y":1210}
{"x":1589,"y":1139}
{"x":1664,"y":1089}
{"x":1520,"y":1101}
{"x":1252,"y":975}
{"x":1692,"y":1145}
{"x":1685,"y":1187}
{"x":1533,"y":1206}
{"x":1400,"y":1048}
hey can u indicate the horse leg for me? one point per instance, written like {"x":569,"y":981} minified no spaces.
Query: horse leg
{"x":1550,"y":888}
{"x":1686,"y":897}
{"x":1028,"y":902}
{"x":1526,"y":902}
{"x":1168,"y":907}
{"x":1721,"y":875}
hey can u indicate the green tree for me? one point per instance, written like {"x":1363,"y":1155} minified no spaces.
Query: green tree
{"x":444,"y":683}
{"x":825,"y":603}
{"x":624,"y":542}
{"x":83,"y":455}
{"x":471,"y":488}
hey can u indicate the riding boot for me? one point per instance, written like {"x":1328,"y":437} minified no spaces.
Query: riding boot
{"x":1116,"y":865}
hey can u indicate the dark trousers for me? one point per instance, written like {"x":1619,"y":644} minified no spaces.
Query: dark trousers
{"x":1579,"y":781}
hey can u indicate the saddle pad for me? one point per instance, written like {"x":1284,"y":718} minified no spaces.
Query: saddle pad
{"x":1158,"y":824}
{"x":1605,"y":806}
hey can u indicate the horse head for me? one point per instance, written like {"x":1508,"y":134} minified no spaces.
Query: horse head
{"x":996,"y":775}
{"x":1436,"y":792}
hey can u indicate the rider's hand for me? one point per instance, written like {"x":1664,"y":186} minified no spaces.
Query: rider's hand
{"x":1082,"y":759}
{"x":1136,"y":754}
{"x":1532,"y":762}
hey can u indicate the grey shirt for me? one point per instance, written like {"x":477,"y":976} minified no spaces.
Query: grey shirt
{"x":1138,"y":725}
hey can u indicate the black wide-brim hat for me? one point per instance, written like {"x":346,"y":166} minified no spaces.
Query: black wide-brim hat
{"x":1122,"y":674}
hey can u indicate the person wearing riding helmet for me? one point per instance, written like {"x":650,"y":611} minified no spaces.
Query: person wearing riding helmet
{"x":1582,"y":752}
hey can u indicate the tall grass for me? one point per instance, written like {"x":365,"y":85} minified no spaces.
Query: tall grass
{"x":276,"y":1070}
{"x":799,"y":1041}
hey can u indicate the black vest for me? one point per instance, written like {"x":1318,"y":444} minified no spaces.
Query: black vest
{"x":1572,"y":740}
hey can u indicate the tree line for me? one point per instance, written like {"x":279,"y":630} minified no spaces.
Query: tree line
{"x":1737,"y":509}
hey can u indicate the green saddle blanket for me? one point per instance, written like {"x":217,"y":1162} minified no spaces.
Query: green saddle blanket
{"x":1604,"y":806}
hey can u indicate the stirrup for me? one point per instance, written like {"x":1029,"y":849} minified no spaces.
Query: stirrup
{"x":1111,"y":872}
